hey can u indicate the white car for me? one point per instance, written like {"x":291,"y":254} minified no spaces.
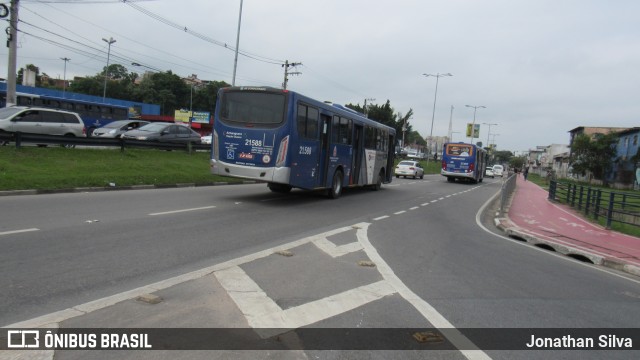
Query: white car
{"x":498,"y":170}
{"x":409,"y":168}
{"x":488,"y":172}
{"x":206,"y":139}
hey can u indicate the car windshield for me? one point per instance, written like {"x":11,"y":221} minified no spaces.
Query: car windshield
{"x":407,"y":163}
{"x":116,"y":124}
{"x":154,"y":127}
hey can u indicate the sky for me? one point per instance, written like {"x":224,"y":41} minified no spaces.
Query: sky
{"x":540,"y":68}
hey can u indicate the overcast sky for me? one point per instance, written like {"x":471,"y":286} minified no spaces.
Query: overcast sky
{"x":541,"y":67}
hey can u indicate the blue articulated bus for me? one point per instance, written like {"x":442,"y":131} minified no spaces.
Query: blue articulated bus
{"x":292,"y":141}
{"x":461,"y":161}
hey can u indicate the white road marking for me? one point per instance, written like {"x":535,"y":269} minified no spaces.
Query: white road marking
{"x":262,"y":312}
{"x":182,"y":210}
{"x":427,"y":311}
{"x":381,"y":217}
{"x":336,"y":251}
{"x":414,"y":208}
{"x":18,"y":231}
{"x":399,"y":212}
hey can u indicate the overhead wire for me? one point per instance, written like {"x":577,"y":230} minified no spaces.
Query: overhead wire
{"x":203,"y":37}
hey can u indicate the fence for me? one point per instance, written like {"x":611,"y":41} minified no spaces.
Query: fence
{"x":505,"y":192}
{"x":612,"y":206}
{"x":69,"y":141}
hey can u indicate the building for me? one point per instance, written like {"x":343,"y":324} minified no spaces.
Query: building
{"x":591,"y":131}
{"x":625,"y":167}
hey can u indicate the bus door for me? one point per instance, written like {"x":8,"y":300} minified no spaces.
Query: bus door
{"x":306,"y":151}
{"x":390,"y":158}
{"x":358,"y":151}
{"x":325,"y":146}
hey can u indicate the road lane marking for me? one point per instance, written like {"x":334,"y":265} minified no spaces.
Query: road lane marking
{"x":18,"y":231}
{"x":182,"y":210}
{"x":428,"y":312}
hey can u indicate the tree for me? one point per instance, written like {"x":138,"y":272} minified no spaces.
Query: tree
{"x":502,"y":156}
{"x":593,"y":155}
{"x":116,"y":72}
{"x":386,"y":115}
{"x":31,"y":67}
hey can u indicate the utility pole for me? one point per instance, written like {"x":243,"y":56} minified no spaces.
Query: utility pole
{"x":450,"y":124}
{"x":64,"y":79}
{"x":12,"y":40}
{"x":235,"y":60}
{"x":287,"y":73}
{"x":365,"y":106}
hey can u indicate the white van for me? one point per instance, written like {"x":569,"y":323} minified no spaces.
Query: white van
{"x":498,"y":170}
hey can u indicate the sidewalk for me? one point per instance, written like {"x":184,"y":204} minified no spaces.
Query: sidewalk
{"x":535,"y":219}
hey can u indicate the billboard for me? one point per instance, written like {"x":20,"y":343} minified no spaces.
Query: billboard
{"x":476,"y":130}
{"x":201,"y":117}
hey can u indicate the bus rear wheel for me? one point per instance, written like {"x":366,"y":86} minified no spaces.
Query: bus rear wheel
{"x":378,"y":185}
{"x":336,"y":185}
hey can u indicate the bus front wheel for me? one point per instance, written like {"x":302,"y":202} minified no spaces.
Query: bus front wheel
{"x":279,"y":188}
{"x":336,"y":186}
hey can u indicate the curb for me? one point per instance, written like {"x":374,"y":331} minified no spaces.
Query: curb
{"x":515,"y":232}
{"x":117,"y":188}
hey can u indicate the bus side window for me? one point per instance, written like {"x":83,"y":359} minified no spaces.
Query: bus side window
{"x":308,"y":122}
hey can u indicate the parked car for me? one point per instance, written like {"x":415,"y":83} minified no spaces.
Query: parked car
{"x":206,"y":139}
{"x":43,"y":121}
{"x":498,"y":170}
{"x":409,"y":168}
{"x":488,"y":172}
{"x":163,"y":132}
{"x":115,"y":129}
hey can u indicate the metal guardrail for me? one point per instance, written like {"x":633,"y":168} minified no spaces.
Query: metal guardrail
{"x":620,"y":207}
{"x":18,"y":139}
{"x":508,"y":186}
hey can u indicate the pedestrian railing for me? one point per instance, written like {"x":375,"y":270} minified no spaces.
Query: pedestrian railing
{"x":505,"y":192}
{"x":18,"y":139}
{"x":598,"y":204}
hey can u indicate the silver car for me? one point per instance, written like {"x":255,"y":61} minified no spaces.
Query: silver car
{"x":163,"y":132}
{"x":409,"y":168}
{"x":41,"y":121}
{"x":115,"y":129}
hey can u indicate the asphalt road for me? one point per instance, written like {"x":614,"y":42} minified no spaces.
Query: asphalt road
{"x":61,"y":250}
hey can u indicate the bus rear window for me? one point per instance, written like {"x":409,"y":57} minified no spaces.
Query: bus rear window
{"x":256,"y":108}
{"x":459,"y":150}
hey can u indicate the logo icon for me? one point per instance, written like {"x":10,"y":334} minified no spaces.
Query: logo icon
{"x":20,"y":339}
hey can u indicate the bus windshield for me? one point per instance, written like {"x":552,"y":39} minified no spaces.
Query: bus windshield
{"x":459,"y":150}
{"x":252,"y":107}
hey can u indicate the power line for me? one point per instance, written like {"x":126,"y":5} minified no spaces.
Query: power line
{"x":203,"y":37}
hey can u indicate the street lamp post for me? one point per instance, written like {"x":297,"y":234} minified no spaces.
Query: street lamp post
{"x":494,"y":137}
{"x":435,"y":96}
{"x":106,"y":70}
{"x":64,"y":77}
{"x":488,"y":132}
{"x":473,"y":126}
